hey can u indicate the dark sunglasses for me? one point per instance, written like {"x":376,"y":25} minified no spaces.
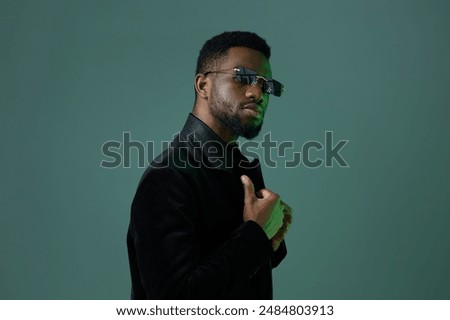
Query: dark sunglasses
{"x":251,"y":77}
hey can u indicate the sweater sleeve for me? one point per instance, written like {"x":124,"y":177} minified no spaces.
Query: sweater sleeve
{"x":169,"y":257}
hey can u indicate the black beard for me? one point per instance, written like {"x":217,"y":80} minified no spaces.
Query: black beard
{"x":233,"y":123}
{"x":218,"y":109}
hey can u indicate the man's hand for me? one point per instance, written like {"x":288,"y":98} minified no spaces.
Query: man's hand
{"x":287,"y":220}
{"x":259,"y":208}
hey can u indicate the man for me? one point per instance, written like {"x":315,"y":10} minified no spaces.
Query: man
{"x":203,"y":226}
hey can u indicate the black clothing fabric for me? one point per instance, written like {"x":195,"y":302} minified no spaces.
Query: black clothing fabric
{"x":187,"y":238}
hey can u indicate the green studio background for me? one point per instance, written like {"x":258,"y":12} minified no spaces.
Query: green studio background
{"x":76,"y":74}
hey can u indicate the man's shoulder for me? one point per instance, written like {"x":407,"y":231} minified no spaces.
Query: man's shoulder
{"x":180,"y":155}
{"x":175,"y":162}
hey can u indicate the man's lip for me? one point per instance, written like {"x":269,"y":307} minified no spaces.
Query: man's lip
{"x":253,"y":107}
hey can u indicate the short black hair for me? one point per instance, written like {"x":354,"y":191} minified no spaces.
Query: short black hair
{"x":217,"y":47}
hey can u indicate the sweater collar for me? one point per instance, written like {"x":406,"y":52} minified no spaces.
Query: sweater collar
{"x":208,"y":147}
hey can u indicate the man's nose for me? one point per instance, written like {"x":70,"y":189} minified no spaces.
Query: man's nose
{"x":255,"y":91}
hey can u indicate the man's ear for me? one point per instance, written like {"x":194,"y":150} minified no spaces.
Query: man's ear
{"x":202,"y":85}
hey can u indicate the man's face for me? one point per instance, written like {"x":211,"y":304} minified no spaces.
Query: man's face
{"x":240,"y":107}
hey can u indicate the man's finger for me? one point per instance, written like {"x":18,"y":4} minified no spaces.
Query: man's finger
{"x":287,"y":208}
{"x":249,"y":189}
{"x":287,"y":218}
{"x":267,"y":194}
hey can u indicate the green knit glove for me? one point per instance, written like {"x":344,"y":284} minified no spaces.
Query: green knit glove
{"x":275,"y":221}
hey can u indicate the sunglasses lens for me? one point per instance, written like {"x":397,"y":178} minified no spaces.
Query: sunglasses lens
{"x":250,"y":77}
{"x":278,"y":88}
{"x":246,"y":76}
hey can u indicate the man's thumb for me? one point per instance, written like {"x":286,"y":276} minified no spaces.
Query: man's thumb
{"x":249,"y":189}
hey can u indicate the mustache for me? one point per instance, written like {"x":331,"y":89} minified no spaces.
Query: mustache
{"x":257,"y":105}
